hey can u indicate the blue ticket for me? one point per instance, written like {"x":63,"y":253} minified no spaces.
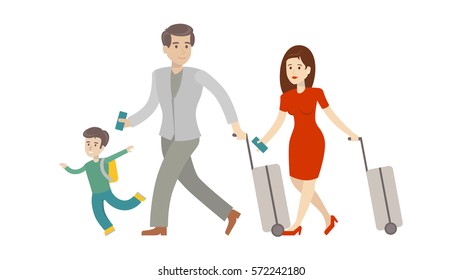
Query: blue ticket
{"x":120,"y":125}
{"x":261,"y":146}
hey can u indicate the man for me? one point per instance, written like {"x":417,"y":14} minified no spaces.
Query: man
{"x":178,"y":89}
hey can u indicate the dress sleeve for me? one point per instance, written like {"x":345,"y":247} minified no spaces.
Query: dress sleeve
{"x":322,"y":99}
{"x":283,"y":104}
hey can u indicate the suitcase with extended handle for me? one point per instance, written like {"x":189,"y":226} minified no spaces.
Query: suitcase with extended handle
{"x":271,"y":197}
{"x":384,"y":196}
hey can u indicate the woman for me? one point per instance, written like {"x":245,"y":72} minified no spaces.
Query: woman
{"x":306,"y":147}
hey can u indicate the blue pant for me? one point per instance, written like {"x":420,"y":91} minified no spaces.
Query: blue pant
{"x":97,"y":200}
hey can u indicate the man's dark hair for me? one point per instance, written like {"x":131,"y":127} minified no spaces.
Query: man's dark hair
{"x":97,"y":132}
{"x":179,"y":29}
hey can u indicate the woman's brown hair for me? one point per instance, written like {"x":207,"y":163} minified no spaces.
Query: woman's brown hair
{"x":307,"y":58}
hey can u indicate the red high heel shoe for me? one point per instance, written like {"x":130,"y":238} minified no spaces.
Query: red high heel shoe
{"x":296,"y":231}
{"x":333,"y":220}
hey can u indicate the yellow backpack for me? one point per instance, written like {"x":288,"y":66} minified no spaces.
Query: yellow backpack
{"x":112,"y":176}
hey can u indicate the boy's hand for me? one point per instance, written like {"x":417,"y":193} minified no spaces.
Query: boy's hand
{"x":63,"y":165}
{"x":126,"y":122}
{"x":129,"y":148}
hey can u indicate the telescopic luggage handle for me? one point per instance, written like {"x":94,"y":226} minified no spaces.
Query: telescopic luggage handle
{"x":362,"y":148}
{"x":248,"y":148}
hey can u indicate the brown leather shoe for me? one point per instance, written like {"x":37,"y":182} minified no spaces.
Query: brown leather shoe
{"x":155,"y":231}
{"x":232,"y":218}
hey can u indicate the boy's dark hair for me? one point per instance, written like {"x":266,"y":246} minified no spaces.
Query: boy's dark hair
{"x":179,"y":29}
{"x":97,"y":132}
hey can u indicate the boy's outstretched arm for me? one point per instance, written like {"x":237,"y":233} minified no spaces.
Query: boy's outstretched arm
{"x":72,"y":171}
{"x":119,"y":154}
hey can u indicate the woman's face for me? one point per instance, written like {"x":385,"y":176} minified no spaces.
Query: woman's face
{"x":296,"y":70}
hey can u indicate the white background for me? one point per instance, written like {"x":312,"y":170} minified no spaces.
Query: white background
{"x":390,"y":71}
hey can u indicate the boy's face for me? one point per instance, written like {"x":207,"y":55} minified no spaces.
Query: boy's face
{"x":93,"y":146}
{"x":179,"y":51}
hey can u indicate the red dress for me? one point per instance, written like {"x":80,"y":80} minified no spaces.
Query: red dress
{"x":306,"y":146}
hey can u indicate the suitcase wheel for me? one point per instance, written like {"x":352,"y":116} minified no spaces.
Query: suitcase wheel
{"x":277,"y":229}
{"x":390,"y":228}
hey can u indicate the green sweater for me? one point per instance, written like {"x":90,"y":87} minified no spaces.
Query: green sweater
{"x":98,"y":182}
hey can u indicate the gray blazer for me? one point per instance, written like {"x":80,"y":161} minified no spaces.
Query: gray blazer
{"x":179,"y":114}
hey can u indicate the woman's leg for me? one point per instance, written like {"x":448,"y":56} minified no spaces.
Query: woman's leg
{"x":307,"y":193}
{"x":297,"y":183}
{"x":316,"y":200}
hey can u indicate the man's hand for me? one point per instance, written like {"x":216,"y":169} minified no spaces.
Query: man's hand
{"x":126,"y":122}
{"x":63,"y":165}
{"x":129,"y":148}
{"x":241,"y":135}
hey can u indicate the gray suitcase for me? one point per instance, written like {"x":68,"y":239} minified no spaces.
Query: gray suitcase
{"x":271,"y":198}
{"x":384,"y":197}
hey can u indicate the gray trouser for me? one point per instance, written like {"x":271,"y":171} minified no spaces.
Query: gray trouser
{"x":177,"y":165}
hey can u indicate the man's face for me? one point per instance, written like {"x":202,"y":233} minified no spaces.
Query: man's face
{"x":179,"y":51}
{"x":93,"y":146}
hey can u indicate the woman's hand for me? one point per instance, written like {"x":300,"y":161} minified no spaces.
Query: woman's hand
{"x":353,"y":137}
{"x":261,"y":141}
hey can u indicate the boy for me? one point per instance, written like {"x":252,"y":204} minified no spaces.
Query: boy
{"x":96,"y":140}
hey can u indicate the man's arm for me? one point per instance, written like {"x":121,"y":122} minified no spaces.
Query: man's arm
{"x":147,"y":109}
{"x":223,"y":98}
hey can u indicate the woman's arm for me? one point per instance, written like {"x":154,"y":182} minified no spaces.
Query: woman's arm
{"x":333,"y":117}
{"x":276,"y":126}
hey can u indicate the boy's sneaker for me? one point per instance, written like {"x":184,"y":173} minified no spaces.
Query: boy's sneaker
{"x":109,"y":230}
{"x":140,"y":197}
